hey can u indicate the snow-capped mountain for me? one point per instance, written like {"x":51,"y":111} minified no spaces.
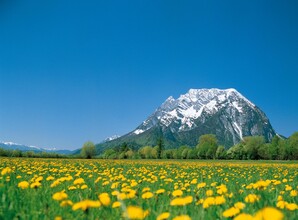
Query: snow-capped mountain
{"x":22,"y":147}
{"x":225,"y":113}
{"x":181,"y":114}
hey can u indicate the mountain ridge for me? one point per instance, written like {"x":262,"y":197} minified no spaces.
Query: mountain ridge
{"x":223,"y":112}
{"x":22,"y":147}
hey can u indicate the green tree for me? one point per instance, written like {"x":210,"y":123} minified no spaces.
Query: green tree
{"x":274,"y":148}
{"x":88,"y":150}
{"x":29,"y":154}
{"x":207,"y":146}
{"x":129,"y":154}
{"x":220,"y":152}
{"x":293,"y":146}
{"x":192,"y":153}
{"x":180,"y":150}
{"x":107,"y":153}
{"x":154,"y":152}
{"x":185,"y":153}
{"x":282,"y":149}
{"x":251,"y":146}
{"x":168,"y":154}
{"x":236,"y":152}
{"x":175,"y":153}
{"x":124,"y":147}
{"x":16,"y":153}
{"x":264,"y":151}
{"x":160,"y":148}
{"x":146,"y":152}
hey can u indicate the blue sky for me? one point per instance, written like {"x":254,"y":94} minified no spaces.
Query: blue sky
{"x":72,"y":71}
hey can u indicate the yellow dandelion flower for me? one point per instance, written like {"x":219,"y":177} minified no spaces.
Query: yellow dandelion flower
{"x":5,"y":171}
{"x":132,"y":194}
{"x":269,"y":213}
{"x":276,"y":182}
{"x":135,"y":212}
{"x":221,"y":189}
{"x":35,"y":185}
{"x":146,"y":189}
{"x":291,"y":206}
{"x":115,"y":193}
{"x":214,"y":184}
{"x":72,"y":187}
{"x":181,"y":201}
{"x":293,"y":193}
{"x":209,"y":192}
{"x":251,"y":198}
{"x":163,"y":216}
{"x":160,"y":191}
{"x":201,"y":185}
{"x":244,"y":216}
{"x":85,"y":204}
{"x":218,"y":200}
{"x":231,"y":212}
{"x":182,"y":217}
{"x":200,"y":201}
{"x":104,"y":198}
{"x":208,"y":201}
{"x":147,"y":195}
{"x":281,"y":204}
{"x":121,"y":196}
{"x":133,"y":184}
{"x":106,"y":183}
{"x":177,"y":192}
{"x":84,"y":186}
{"x":116,"y":204}
{"x":59,"y":196}
{"x":239,"y":205}
{"x":194,"y":181}
{"x":55,"y":183}
{"x":49,"y":178}
{"x":78,"y":181}
{"x":38,"y":179}
{"x":23,"y":185}
{"x":66,"y":203}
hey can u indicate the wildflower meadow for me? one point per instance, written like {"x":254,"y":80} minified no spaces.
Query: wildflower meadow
{"x":142,"y":189}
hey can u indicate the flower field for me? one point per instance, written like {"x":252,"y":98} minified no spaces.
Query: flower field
{"x":142,"y":189}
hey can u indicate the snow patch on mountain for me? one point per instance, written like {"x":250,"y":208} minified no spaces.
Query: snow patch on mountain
{"x":238,"y":130}
{"x":189,"y":107}
{"x":138,"y":131}
{"x":113,"y":137}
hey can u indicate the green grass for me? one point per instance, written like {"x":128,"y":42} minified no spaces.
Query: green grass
{"x":37,"y":203}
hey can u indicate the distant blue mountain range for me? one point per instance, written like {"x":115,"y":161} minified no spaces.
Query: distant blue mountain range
{"x":22,"y":147}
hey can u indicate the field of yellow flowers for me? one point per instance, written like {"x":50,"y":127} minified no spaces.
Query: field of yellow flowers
{"x":137,"y":189}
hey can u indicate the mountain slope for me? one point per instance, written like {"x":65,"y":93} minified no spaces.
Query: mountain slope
{"x":225,"y":113}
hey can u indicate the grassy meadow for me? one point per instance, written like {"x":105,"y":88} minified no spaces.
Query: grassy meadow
{"x":147,"y":189}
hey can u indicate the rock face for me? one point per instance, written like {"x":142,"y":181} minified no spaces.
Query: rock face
{"x":225,"y":113}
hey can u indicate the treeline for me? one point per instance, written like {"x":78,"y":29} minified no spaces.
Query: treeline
{"x":250,"y":148}
{"x":29,"y":154}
